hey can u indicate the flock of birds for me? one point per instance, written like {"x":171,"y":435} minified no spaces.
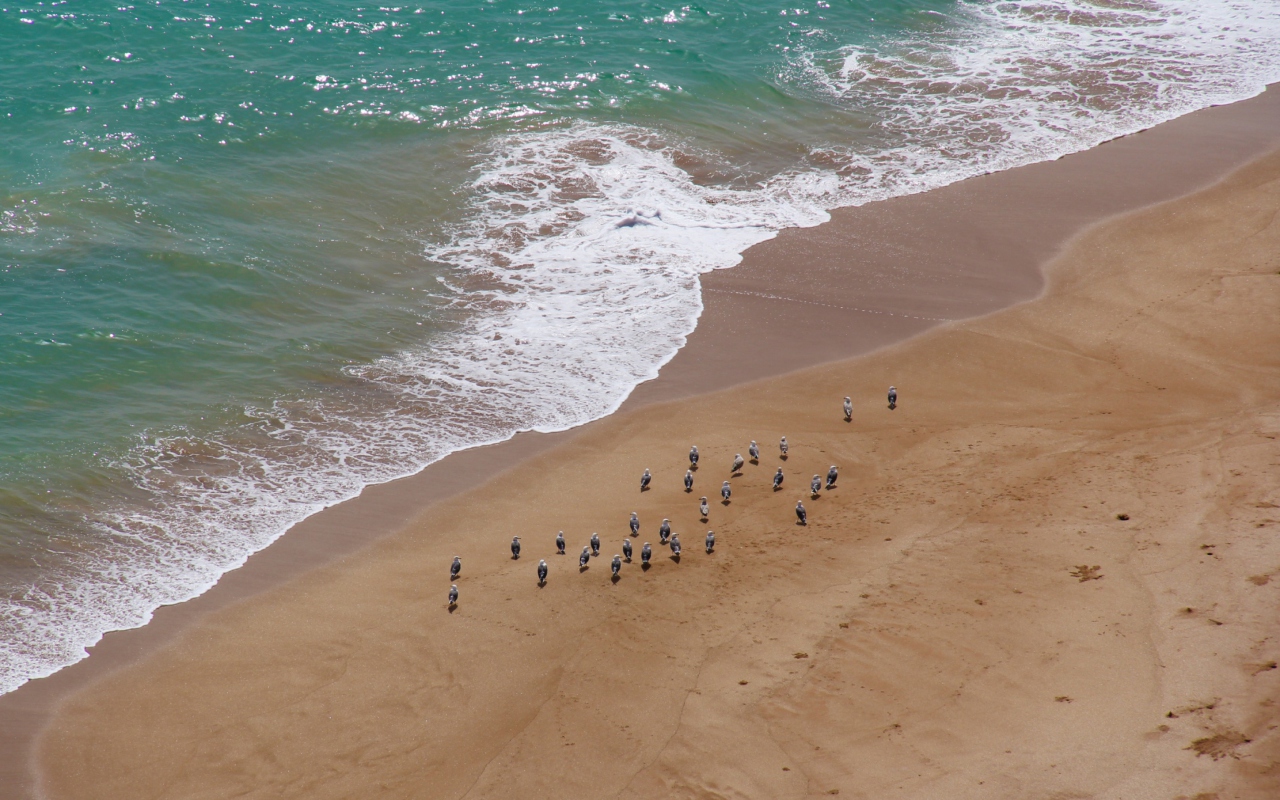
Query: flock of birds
{"x":665,"y":535}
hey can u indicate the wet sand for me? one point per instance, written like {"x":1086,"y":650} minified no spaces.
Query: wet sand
{"x":1002,"y":228}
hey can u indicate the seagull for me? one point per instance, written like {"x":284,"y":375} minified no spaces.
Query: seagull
{"x":783,"y":446}
{"x":455,"y":568}
{"x":703,"y":508}
{"x":646,"y":553}
{"x":816,"y":486}
{"x":595,"y":544}
{"x":737,"y":463}
{"x":725,"y":491}
{"x":800,"y":513}
{"x":848,"y":409}
{"x":644,"y":480}
{"x":693,"y":456}
{"x":542,"y":571}
{"x":688,"y":480}
{"x":675,"y":544}
{"x":585,"y":557}
{"x":635,"y":524}
{"x":453,"y":595}
{"x":832,"y":474}
{"x":711,"y":541}
{"x":560,"y":542}
{"x":626,"y":549}
{"x":664,"y":532}
{"x":515,"y":547}
{"x":754,"y":451}
{"x":616,"y":566}
{"x":777,"y":479}
{"x":893,"y":397}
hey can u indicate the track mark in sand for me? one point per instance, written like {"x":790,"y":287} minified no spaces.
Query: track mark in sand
{"x":1219,"y":746}
{"x":1256,"y":669}
{"x":1087,"y":573}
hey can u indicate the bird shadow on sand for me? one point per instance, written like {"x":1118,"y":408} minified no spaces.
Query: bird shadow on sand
{"x":802,"y":524}
{"x":615,"y":578}
{"x":723,"y":503}
{"x":541,"y":584}
{"x":583,"y":568}
{"x":892,"y":406}
{"x":645,"y":566}
{"x":737,"y":474}
{"x":777,"y":488}
{"x":783,"y":458}
{"x":453,"y":607}
{"x":675,"y":558}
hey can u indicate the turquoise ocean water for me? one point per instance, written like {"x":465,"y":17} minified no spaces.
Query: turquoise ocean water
{"x":255,"y":256}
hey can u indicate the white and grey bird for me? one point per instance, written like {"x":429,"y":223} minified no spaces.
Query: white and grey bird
{"x":777,"y":479}
{"x":560,"y":542}
{"x":664,"y":531}
{"x":646,"y":553}
{"x":754,"y":451}
{"x":711,"y":541}
{"x":542,"y":570}
{"x":595,"y":544}
{"x":455,"y":568}
{"x":832,"y":475}
{"x":688,"y":480}
{"x":585,"y":557}
{"x":675,"y":544}
{"x":848,"y":409}
{"x":816,"y":486}
{"x":893,"y":397}
{"x":801,"y":514}
{"x":783,"y":446}
{"x":704,"y":508}
{"x":693,"y":456}
{"x":453,"y":595}
{"x":725,"y":491}
{"x":616,"y":565}
{"x":626,"y":549}
{"x":737,"y":462}
{"x":644,"y":480}
{"x":635,"y":524}
{"x":515,"y":547}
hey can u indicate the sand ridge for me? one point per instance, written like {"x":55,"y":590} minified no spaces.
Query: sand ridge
{"x":965,"y":616}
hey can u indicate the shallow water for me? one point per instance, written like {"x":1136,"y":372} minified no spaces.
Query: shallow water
{"x":255,"y":257}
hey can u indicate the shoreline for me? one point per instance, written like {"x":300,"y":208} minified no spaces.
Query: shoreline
{"x":911,"y":275}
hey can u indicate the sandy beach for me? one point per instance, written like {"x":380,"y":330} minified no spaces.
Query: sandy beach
{"x":1050,"y":572}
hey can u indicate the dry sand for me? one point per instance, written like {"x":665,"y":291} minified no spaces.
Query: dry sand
{"x":964,"y":616}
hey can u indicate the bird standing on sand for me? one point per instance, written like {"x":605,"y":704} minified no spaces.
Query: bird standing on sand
{"x":644,"y":480}
{"x":646,"y":553}
{"x":595,"y":544}
{"x":455,"y":568}
{"x":626,"y":549}
{"x":832,"y":475}
{"x":777,"y":479}
{"x":711,"y":541}
{"x":664,"y":532}
{"x":737,"y":462}
{"x":800,"y":513}
{"x":848,"y":409}
{"x":704,"y":508}
{"x":542,"y":571}
{"x":616,"y":564}
{"x":754,"y":451}
{"x":453,"y":595}
{"x":635,"y":524}
{"x":675,"y":544}
{"x":784,"y":447}
{"x":725,"y":491}
{"x":893,"y":397}
{"x":816,"y":486}
{"x":688,"y":480}
{"x":560,"y":542}
{"x":693,"y":457}
{"x":585,"y":557}
{"x":515,"y":547}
